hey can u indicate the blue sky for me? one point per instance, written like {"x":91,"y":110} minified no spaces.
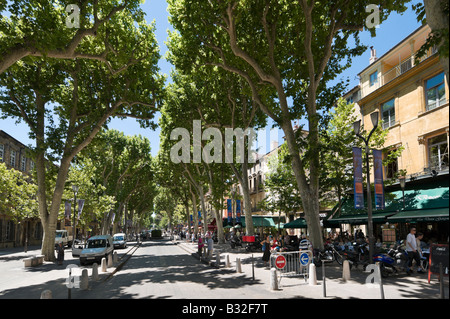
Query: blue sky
{"x":392,"y":31}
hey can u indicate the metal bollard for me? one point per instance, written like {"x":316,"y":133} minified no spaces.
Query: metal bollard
{"x":381,"y":281}
{"x":115,"y":257}
{"x":253,"y":268}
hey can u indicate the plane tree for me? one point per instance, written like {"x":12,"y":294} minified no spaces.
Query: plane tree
{"x":287,"y":52}
{"x":66,"y":103}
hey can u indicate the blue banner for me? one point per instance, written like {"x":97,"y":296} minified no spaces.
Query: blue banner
{"x":358,"y":178}
{"x":238,"y":210}
{"x":378,"y":179}
{"x":230,"y":214}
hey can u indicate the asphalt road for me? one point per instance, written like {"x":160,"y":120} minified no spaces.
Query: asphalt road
{"x":159,"y":269}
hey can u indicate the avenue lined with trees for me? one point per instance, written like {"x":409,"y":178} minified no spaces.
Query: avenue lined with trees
{"x":237,"y":65}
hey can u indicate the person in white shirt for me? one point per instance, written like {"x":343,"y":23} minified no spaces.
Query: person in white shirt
{"x":411,"y":248}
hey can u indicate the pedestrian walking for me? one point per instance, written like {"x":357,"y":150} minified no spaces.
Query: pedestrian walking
{"x":200,"y":245}
{"x":210,"y":244}
{"x":60,"y":255}
{"x":411,"y":249}
{"x":266,"y":250}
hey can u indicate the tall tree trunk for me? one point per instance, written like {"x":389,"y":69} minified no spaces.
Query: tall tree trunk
{"x":243,"y":181}
{"x":220,"y":230}
{"x":308,"y":192}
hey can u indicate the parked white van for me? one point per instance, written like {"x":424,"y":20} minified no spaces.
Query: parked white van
{"x":97,"y":247}
{"x":120,"y":240}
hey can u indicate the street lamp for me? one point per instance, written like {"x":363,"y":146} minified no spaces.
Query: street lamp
{"x":357,"y":129}
{"x":75,"y":191}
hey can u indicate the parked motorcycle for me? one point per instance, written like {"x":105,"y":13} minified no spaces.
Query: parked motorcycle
{"x":394,"y":261}
{"x":235,"y":241}
{"x":253,"y":243}
{"x":357,"y":256}
{"x":328,"y":254}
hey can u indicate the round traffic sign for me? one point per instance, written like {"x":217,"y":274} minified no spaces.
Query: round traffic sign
{"x":304,"y":259}
{"x":280,"y":262}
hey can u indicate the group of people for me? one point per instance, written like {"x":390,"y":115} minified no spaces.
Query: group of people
{"x":271,"y":244}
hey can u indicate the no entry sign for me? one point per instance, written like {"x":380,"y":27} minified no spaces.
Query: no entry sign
{"x":280,"y":262}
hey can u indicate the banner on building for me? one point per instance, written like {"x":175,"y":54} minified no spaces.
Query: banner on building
{"x":230,"y":214}
{"x":113,"y":217}
{"x":358,"y":178}
{"x":378,"y":179}
{"x":238,"y":210}
{"x":80,"y":207}
{"x":199,"y":217}
{"x":67,"y":209}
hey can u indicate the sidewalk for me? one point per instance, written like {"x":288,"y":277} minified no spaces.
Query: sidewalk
{"x":19,"y":282}
{"x":400,"y":286}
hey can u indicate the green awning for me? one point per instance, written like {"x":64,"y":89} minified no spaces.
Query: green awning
{"x":429,"y":200}
{"x":359,"y":219}
{"x":297,"y":223}
{"x":258,"y":221}
{"x":421,"y":215}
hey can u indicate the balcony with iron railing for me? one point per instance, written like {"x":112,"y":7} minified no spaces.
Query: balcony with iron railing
{"x":392,"y":73}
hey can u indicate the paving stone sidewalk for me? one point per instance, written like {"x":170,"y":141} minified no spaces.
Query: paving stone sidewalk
{"x":399,"y":286}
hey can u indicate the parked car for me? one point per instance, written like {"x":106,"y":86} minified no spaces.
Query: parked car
{"x":77,"y":248}
{"x":62,"y":236}
{"x":120,"y":240}
{"x":97,"y":247}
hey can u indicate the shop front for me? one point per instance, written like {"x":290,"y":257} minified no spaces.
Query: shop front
{"x":424,"y":206}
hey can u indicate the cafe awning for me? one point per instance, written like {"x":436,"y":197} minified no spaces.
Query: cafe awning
{"x":424,"y":202}
{"x":297,"y":223}
{"x":258,"y":221}
{"x":421,"y":215}
{"x":359,"y":219}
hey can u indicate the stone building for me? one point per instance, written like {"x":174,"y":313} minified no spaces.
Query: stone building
{"x":12,"y":233}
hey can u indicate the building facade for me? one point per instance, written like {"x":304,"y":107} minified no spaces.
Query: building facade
{"x":12,"y":233}
{"x":412,"y":99}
